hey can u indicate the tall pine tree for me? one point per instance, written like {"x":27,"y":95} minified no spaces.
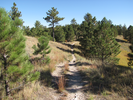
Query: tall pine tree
{"x":107,"y":48}
{"x":70,"y":34}
{"x":14,"y":12}
{"x":53,"y":18}
{"x":59,"y":34}
{"x":27,"y":30}
{"x":75,"y":27}
{"x":15,"y":65}
{"x":130,"y":34}
{"x":100,"y":43}
{"x":88,"y":40}
{"x":88,"y":17}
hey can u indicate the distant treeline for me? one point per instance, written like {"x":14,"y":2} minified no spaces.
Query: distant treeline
{"x":74,"y":31}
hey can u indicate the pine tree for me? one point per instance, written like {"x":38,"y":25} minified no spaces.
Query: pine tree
{"x":114,"y":29}
{"x":14,"y":12}
{"x":83,"y":27}
{"x":88,"y":17}
{"x":107,"y":48}
{"x":53,"y":18}
{"x":130,"y":63}
{"x":100,"y":43}
{"x":94,"y":21}
{"x":65,"y":28}
{"x":39,"y":28}
{"x":70,"y":34}
{"x":37,"y":24}
{"x":43,"y":49}
{"x":73,"y":21}
{"x":88,"y":40}
{"x":130,"y":34}
{"x":119,"y":29}
{"x":33,"y":31}
{"x":59,"y":34}
{"x":75,"y":26}
{"x":27,"y":30}
{"x":15,"y":65}
{"x":124,"y":29}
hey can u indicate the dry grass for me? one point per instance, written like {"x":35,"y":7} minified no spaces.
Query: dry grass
{"x":61,"y":84}
{"x":124,"y":51}
{"x":66,"y":66}
{"x":34,"y":91}
{"x":57,"y":55}
{"x":123,"y":57}
{"x":30,"y":41}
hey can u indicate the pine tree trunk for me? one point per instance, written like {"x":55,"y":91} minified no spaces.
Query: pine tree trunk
{"x":103,"y":68}
{"x":102,"y":60}
{"x":1,"y":74}
{"x":53,"y":32}
{"x":7,"y":90}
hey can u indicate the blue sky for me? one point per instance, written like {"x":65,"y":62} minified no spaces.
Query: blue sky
{"x":118,"y":11}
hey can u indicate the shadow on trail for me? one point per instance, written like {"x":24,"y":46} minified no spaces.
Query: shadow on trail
{"x":74,"y":79}
{"x":82,"y":64}
{"x":74,"y":49}
{"x":45,"y":78}
{"x":69,"y":45}
{"x":118,"y":40}
{"x":69,"y":51}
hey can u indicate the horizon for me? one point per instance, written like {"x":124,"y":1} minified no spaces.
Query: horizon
{"x":119,"y":12}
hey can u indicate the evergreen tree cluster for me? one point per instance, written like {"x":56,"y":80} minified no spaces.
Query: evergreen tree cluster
{"x":38,"y":30}
{"x":98,"y":40}
{"x":62,"y":33}
{"x":129,"y":34}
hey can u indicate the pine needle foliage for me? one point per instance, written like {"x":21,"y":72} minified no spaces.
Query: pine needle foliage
{"x":42,"y":48}
{"x":53,"y":18}
{"x":70,"y":33}
{"x":14,"y":12}
{"x":130,"y":63}
{"x":15,"y":66}
{"x":59,"y":34}
{"x":107,"y":48}
{"x":100,"y":42}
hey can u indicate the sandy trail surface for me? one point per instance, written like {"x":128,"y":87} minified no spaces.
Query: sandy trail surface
{"x":74,"y":84}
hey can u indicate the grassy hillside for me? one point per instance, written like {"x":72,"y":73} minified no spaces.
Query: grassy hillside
{"x":57,"y":55}
{"x":124,"y":50}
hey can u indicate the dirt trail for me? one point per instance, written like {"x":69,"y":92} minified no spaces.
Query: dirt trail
{"x":74,"y":84}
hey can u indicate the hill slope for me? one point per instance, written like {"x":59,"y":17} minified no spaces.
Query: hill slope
{"x":124,"y":50}
{"x":41,"y":90}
